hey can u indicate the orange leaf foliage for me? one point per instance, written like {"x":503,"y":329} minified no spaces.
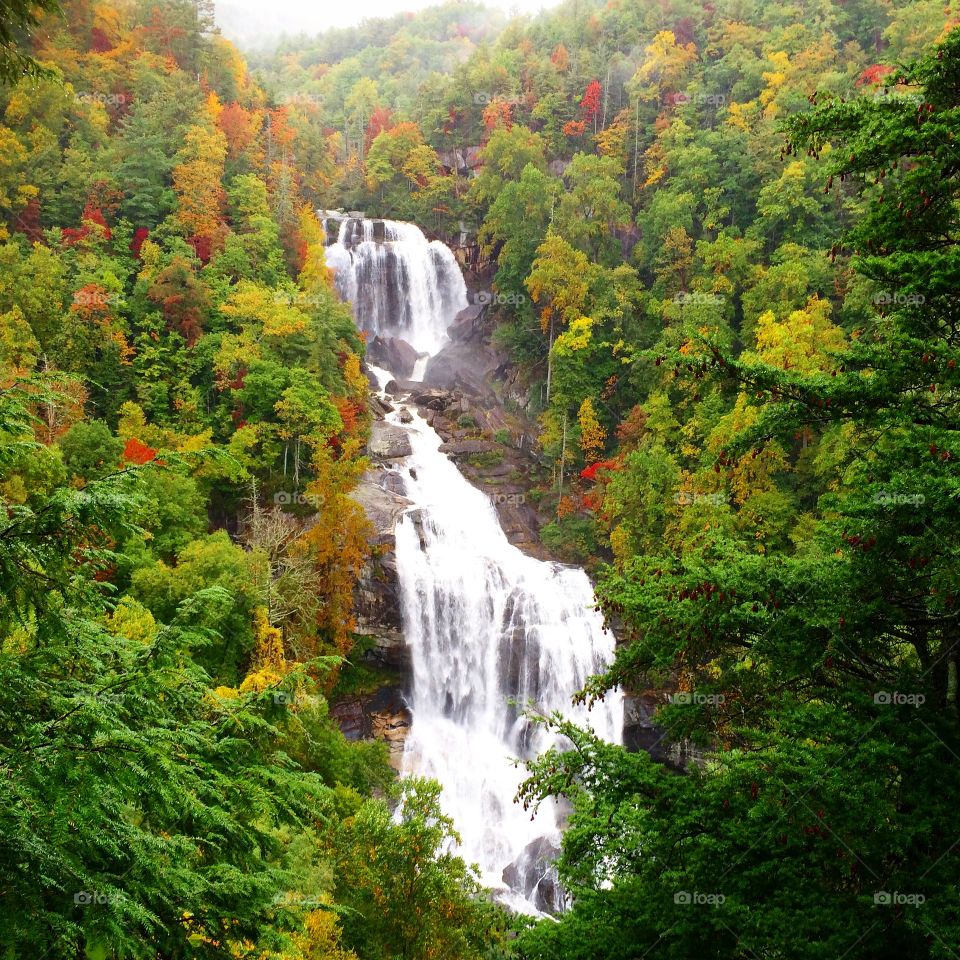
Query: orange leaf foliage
{"x":138,"y":453}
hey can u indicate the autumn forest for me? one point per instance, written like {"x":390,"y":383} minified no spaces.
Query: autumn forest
{"x":708,"y":260}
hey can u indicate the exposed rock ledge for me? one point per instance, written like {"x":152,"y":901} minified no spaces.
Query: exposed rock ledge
{"x":491,"y":449}
{"x":382,"y":715}
{"x":377,"y":600}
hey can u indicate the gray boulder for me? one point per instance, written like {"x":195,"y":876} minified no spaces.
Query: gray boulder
{"x":388,"y":441}
{"x":393,"y":354}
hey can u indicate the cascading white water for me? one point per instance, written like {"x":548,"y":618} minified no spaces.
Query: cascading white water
{"x":487,"y":624}
{"x":400,"y":284}
{"x":491,"y":630}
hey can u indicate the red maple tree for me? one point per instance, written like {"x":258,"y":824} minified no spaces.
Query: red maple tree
{"x":138,"y":453}
{"x":590,"y":104}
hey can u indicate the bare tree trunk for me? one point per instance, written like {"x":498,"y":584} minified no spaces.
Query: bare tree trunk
{"x":636,"y":147}
{"x":563,"y":457}
{"x":550,"y":359}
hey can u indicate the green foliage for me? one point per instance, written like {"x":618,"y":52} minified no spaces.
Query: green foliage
{"x":574,"y":539}
{"x":407,"y":895}
{"x":815,"y":672}
{"x":172,"y":352}
{"x":90,"y":450}
{"x":768,"y":362}
{"x":17,"y":19}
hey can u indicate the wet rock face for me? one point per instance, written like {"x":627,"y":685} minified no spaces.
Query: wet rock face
{"x":393,"y":354}
{"x":381,"y":715}
{"x":489,"y":448}
{"x":467,"y":362}
{"x":388,"y":442}
{"x":380,"y":494}
{"x":641,"y":733}
{"x":466,"y":324}
{"x":533,"y":875}
{"x":376,"y":605}
{"x":400,"y":388}
{"x":456,"y":450}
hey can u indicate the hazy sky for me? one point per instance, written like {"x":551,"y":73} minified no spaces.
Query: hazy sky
{"x":248,"y":20}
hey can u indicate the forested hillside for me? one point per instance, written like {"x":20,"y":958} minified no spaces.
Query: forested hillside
{"x":721,"y":246}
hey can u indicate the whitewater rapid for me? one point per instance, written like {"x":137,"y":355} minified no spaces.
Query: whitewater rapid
{"x":493,"y":633}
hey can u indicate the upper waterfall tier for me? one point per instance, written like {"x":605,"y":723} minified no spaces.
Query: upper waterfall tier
{"x":399,"y":283}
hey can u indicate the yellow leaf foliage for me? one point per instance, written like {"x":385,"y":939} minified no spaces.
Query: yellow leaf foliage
{"x":592,"y":434}
{"x":269,"y":662}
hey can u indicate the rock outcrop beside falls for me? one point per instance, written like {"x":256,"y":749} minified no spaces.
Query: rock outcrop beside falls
{"x":468,"y":395}
{"x":392,"y":353}
{"x":381,"y":712}
{"x":491,"y":450}
{"x":377,"y":601}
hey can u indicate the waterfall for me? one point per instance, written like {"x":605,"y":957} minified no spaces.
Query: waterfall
{"x":399,"y":283}
{"x":487,"y":624}
{"x":491,"y":630}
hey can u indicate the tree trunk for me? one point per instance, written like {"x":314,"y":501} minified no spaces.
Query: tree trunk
{"x":550,"y":359}
{"x":563,"y":457}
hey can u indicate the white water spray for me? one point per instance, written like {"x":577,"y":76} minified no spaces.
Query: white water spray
{"x":487,"y":625}
{"x":400,"y":284}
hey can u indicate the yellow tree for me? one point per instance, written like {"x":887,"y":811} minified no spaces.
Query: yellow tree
{"x":804,"y":342}
{"x":664,"y":68}
{"x":269,"y":663}
{"x":593,"y":436}
{"x":559,"y":284}
{"x":198,"y":184}
{"x":314,"y":273}
{"x":336,"y":543}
